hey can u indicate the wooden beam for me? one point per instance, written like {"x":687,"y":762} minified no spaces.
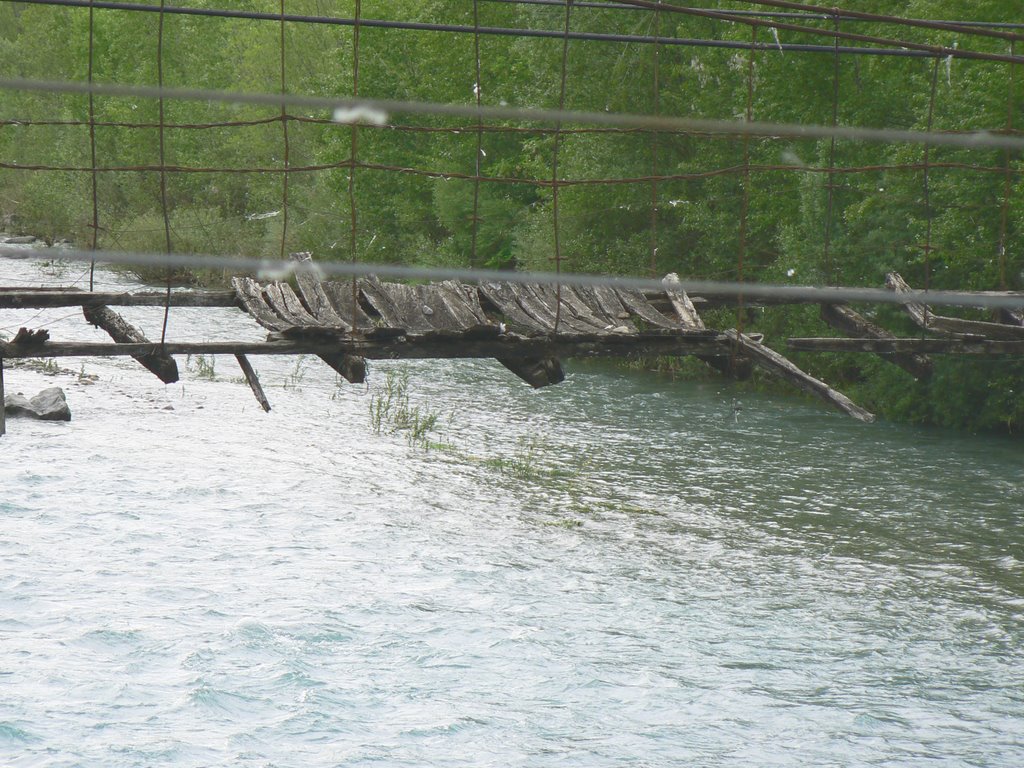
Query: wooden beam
{"x":254,"y":382}
{"x":779,"y":366}
{"x":925,"y":318}
{"x":844,"y":319}
{"x":20,"y":298}
{"x":158,"y":361}
{"x":953,"y":346}
{"x":536,"y":371}
{"x":403,"y":347}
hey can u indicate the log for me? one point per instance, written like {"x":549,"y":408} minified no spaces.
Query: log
{"x":925,"y":318}
{"x":158,"y":362}
{"x":254,"y":382}
{"x":847,"y":321}
{"x":779,"y":366}
{"x":46,"y":298}
{"x":952,"y":346}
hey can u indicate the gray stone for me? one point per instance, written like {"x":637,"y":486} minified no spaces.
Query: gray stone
{"x":21,"y":240}
{"x":48,"y":405}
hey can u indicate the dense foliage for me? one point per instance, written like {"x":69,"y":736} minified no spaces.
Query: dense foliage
{"x":787,"y":217}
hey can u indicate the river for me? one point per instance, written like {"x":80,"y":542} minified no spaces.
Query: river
{"x":616,"y":571}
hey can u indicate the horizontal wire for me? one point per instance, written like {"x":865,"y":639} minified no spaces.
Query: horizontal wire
{"x":273,"y":269}
{"x":896,"y":47}
{"x":467,"y":129}
{"x":381,"y":108}
{"x":568,"y":182}
{"x":835,"y":34}
{"x":818,"y":14}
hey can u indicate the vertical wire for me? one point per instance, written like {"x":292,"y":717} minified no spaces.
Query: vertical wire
{"x":1008,"y":174}
{"x":745,"y":201}
{"x":830,"y":268}
{"x":287,"y":146}
{"x":554,"y":165}
{"x":92,"y":152}
{"x":353,"y":148}
{"x":477,"y":88}
{"x":653,"y":269}
{"x":927,"y":188}
{"x":163,"y":163}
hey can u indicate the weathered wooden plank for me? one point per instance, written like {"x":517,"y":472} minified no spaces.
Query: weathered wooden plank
{"x":464,"y":301}
{"x":346,"y":304}
{"x":778,"y":365}
{"x":120,"y":330}
{"x":902,"y":346}
{"x":254,"y":382}
{"x":606,"y":305}
{"x":636,"y":303}
{"x":925,"y":318}
{"x":680,"y":302}
{"x":392,"y":312}
{"x":592,"y":317}
{"x":251,"y":297}
{"x":285,"y":304}
{"x":551,"y":297}
{"x":847,"y":321}
{"x":436,"y":309}
{"x":503,"y":298}
{"x":314,"y":296}
{"x":352,"y":368}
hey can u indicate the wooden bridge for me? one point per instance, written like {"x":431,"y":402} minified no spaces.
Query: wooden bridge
{"x":526,"y":327}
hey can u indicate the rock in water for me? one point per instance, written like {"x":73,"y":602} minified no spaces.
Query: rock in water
{"x":48,"y":405}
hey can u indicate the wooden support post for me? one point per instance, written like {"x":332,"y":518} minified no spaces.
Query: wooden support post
{"x":845,"y":320}
{"x":254,"y":382}
{"x":536,"y":371}
{"x":776,"y":364}
{"x":123,"y":332}
{"x":3,"y":401}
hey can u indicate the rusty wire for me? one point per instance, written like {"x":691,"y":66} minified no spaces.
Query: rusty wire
{"x":542,"y":183}
{"x":827,"y":245}
{"x":656,"y":75}
{"x":898,"y":47}
{"x":163,"y":166}
{"x":353,"y":147}
{"x":287,"y":145}
{"x":1008,"y":176}
{"x":399,"y":128}
{"x":92,"y":154}
{"x":477,"y":88}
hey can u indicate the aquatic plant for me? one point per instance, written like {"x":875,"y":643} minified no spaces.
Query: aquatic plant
{"x":391,"y":412}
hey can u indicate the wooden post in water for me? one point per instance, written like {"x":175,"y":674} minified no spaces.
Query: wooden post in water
{"x":254,"y":382}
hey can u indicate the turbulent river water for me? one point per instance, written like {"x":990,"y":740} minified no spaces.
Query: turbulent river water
{"x":613,"y":571}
